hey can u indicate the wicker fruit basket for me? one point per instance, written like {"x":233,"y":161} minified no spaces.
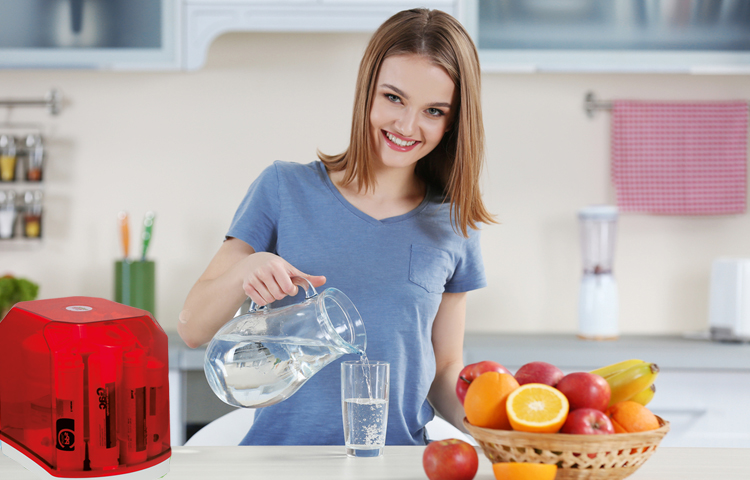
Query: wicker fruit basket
{"x":609,"y":457}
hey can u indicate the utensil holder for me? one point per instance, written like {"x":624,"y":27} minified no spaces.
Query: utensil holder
{"x":135,"y":284}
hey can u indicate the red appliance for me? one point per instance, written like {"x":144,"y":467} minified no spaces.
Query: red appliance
{"x":84,"y":389}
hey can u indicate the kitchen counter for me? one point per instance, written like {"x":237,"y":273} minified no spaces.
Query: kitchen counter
{"x":397,"y":463}
{"x":695,"y":352}
{"x":564,"y":350}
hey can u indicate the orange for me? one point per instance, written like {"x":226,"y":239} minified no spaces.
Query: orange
{"x":485,"y":400}
{"x":538,"y":408}
{"x":524,"y":471}
{"x":629,"y":416}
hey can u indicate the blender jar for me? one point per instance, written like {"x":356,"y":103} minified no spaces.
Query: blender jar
{"x":598,"y":301}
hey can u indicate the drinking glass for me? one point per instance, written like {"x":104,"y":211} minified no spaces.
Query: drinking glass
{"x":364,"y":402}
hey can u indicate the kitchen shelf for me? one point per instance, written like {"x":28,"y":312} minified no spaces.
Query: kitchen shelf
{"x":22,"y":185}
{"x":21,"y":243}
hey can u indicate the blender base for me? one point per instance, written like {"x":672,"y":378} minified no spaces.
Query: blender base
{"x":598,"y":337}
{"x":597,"y":307}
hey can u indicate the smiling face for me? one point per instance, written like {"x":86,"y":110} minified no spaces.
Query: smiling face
{"x":411,"y":109}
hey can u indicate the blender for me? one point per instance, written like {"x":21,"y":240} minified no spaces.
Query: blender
{"x":597,"y":301}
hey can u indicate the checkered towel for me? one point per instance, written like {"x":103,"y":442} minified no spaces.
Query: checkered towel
{"x":680,"y":158}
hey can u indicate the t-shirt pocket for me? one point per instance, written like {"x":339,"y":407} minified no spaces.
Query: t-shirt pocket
{"x":430,"y":268}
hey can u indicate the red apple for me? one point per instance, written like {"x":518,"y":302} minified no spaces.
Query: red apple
{"x":450,"y":460}
{"x":539,"y":372}
{"x":587,"y":421}
{"x":470,"y":372}
{"x":585,"y":390}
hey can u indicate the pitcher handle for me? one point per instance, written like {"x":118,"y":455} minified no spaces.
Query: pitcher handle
{"x":299,"y":281}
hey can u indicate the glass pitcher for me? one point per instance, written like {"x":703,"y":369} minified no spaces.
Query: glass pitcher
{"x":263,"y":357}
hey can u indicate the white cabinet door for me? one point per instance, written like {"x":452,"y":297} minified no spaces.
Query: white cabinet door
{"x":704,"y":408}
{"x":108,"y":34}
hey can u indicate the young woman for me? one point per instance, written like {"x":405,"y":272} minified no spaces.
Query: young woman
{"x":393,"y":222}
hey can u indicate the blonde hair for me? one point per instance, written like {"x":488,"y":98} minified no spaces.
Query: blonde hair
{"x":454,"y":166}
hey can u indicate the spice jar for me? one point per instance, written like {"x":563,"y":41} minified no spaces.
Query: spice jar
{"x":7,"y":158}
{"x":32,"y":214}
{"x":7,"y":213}
{"x":34,"y":158}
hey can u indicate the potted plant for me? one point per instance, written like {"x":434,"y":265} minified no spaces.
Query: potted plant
{"x":14,"y":290}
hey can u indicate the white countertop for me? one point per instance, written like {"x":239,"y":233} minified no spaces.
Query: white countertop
{"x":330,"y":463}
{"x":564,"y":350}
{"x":670,"y":352}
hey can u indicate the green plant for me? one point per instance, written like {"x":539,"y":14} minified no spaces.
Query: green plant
{"x":14,"y":290}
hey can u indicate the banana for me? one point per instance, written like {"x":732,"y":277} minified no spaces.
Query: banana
{"x":615,"y":368}
{"x":645,"y":395}
{"x":627,"y":383}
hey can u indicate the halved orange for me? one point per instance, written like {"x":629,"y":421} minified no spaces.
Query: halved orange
{"x":524,"y":471}
{"x":536,"y":407}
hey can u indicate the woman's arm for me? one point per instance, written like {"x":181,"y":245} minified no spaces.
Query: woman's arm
{"x":235,"y":273}
{"x":448,"y":344}
{"x":216,"y":296}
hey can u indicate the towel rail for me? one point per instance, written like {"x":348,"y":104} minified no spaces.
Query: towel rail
{"x":591,"y":104}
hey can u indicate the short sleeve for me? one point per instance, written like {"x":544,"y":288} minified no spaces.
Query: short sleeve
{"x":469,"y":273}
{"x":256,"y":220}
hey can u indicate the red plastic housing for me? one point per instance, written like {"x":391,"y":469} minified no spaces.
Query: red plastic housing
{"x":84,"y":388}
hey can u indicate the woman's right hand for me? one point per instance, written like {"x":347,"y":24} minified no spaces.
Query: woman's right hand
{"x":268,"y":277}
{"x":236,"y":272}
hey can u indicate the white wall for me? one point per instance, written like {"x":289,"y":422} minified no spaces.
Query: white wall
{"x":187,"y":145}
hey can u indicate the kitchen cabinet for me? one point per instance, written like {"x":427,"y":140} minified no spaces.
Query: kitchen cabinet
{"x":91,"y":34}
{"x":706,"y":37}
{"x":706,"y":408}
{"x":167,"y":34}
{"x":188,"y":380}
{"x":622,"y":36}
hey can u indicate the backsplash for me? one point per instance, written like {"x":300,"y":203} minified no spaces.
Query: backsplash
{"x":187,"y":146}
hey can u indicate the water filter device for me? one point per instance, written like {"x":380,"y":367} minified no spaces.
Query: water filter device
{"x":84,"y":389}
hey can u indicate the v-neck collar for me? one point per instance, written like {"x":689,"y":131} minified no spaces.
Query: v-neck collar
{"x":385,"y":221}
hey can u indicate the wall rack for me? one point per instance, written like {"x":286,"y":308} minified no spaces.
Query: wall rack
{"x":52,"y":101}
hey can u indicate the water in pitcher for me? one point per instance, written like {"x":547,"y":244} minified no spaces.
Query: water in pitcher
{"x":260,"y":371}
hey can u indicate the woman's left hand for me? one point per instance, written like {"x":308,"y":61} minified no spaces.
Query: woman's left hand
{"x":448,"y":344}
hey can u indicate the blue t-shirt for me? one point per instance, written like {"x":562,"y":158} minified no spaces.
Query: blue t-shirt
{"x":394,"y":270}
